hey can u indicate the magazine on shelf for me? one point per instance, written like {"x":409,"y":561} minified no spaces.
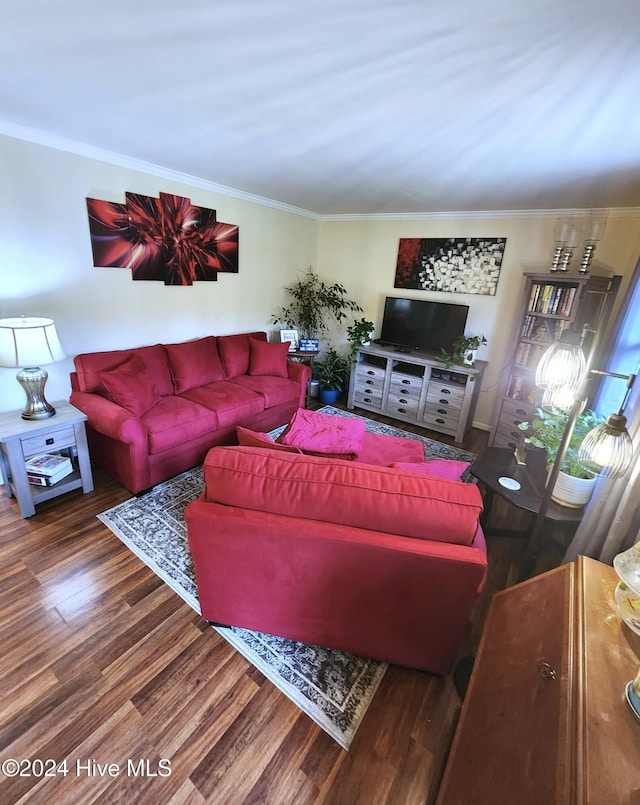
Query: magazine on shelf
{"x":48,"y":464}
{"x":49,"y":480}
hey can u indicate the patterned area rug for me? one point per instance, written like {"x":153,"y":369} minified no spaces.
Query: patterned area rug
{"x":332,"y":687}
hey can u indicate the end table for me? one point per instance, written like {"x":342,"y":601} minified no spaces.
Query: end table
{"x":21,"y":439}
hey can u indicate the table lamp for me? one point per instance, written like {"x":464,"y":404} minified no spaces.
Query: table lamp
{"x":28,"y":342}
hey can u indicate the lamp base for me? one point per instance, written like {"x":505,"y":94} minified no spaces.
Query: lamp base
{"x":32,"y":381}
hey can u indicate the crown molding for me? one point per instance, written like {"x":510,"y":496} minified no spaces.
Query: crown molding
{"x":49,"y":140}
{"x":112,"y":158}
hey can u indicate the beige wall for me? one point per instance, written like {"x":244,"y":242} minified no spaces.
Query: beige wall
{"x":46,"y":265}
{"x":362,"y":254}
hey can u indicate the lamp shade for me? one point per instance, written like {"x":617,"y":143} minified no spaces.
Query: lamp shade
{"x":29,"y":341}
{"x":563,"y":366}
{"x":607,"y":450}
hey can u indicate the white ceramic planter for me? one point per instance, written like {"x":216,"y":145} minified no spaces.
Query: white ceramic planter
{"x":574,"y":492}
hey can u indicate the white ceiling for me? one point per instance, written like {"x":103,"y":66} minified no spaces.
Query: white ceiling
{"x":344,"y":106}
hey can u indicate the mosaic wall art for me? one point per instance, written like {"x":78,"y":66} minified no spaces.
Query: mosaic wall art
{"x":457,"y":265}
{"x":166,"y":239}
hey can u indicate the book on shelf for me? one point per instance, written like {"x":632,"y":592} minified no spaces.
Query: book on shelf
{"x":49,"y":480}
{"x":48,"y":464}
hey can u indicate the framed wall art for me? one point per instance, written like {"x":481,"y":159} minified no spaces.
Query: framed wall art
{"x":167,"y":239}
{"x":456,"y":265}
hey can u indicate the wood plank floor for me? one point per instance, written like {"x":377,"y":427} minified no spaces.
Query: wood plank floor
{"x":105,"y":669}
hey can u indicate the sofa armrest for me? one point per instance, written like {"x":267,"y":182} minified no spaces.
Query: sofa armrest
{"x":301,"y":373}
{"x":110,"y":419}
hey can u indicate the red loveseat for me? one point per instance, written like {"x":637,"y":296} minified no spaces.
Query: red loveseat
{"x":155,"y":411}
{"x":378,"y":561}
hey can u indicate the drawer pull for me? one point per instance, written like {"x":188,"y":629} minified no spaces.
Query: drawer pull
{"x":441,"y":421}
{"x":369,"y":382}
{"x":547,"y":671}
{"x":367,"y":399}
{"x":521,"y":411}
{"x":444,"y":402}
{"x":404,"y":402}
{"x":50,"y":440}
{"x":402,"y":410}
{"x":442,"y":411}
{"x":370,"y":372}
{"x":445,"y":391}
{"x":406,"y":382}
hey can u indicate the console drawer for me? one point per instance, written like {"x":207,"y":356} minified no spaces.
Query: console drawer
{"x":447,"y":422}
{"x":406,"y":381}
{"x":369,"y":371}
{"x":440,"y":400}
{"x":404,"y":404}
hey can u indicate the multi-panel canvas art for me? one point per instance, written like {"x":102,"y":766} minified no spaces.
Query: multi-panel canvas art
{"x":167,"y":239}
{"x":458,"y":265}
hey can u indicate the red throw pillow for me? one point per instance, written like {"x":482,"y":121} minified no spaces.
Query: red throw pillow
{"x":268,"y":359}
{"x":194,"y":363}
{"x":436,"y":467}
{"x":251,"y":438}
{"x":131,"y":386}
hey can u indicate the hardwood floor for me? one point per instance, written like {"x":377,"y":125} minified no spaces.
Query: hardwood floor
{"x":103,"y":664}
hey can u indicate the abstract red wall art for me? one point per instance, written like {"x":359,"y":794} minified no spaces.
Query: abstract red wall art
{"x":167,"y":239}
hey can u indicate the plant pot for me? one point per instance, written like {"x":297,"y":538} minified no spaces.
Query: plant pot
{"x":571,"y":491}
{"x":329,"y":396}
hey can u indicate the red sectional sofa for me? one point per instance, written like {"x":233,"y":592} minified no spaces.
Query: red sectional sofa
{"x":155,"y":411}
{"x":373,"y":560}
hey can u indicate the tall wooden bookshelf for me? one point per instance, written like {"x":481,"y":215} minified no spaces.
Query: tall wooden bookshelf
{"x":551,"y":303}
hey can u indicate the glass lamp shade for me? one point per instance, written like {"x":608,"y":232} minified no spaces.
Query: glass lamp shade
{"x":562,"y":366}
{"x":607,"y":450}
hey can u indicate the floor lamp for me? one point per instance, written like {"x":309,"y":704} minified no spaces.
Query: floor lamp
{"x":564,"y":374}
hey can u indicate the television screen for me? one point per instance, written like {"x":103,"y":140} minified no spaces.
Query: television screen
{"x":421,"y":324}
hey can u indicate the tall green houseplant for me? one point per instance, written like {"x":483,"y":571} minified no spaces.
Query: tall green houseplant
{"x":314,"y":303}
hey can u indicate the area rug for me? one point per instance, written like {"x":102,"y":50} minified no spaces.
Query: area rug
{"x":332,"y":687}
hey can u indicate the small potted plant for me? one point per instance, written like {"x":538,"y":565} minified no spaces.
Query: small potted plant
{"x":574,"y":484}
{"x":332,"y":372}
{"x":359,"y":334}
{"x":463,"y":352}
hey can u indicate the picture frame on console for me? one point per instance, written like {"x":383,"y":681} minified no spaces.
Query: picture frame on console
{"x":292,"y":336}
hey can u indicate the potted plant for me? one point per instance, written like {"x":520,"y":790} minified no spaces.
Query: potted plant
{"x":332,"y":372}
{"x":359,"y":335}
{"x":314,"y":303}
{"x":574,"y":484}
{"x":463,"y":352}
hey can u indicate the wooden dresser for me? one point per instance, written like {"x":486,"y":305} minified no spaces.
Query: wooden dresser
{"x":545,"y":719}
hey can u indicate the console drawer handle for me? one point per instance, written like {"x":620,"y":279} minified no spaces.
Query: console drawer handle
{"x":406,"y":382}
{"x":441,"y":421}
{"x":402,"y":411}
{"x":521,"y":411}
{"x":50,"y":440}
{"x":404,"y":402}
{"x":442,"y":411}
{"x":370,"y":372}
{"x":369,"y":382}
{"x":444,"y":402}
{"x":445,"y":391}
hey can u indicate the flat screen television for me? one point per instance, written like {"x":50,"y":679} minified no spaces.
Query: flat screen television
{"x":420,"y":324}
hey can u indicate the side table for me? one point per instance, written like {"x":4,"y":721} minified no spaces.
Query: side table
{"x":21,"y":439}
{"x":498,"y":462}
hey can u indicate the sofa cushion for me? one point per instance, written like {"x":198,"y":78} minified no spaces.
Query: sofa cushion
{"x":194,"y":363}
{"x":320,"y":434}
{"x":383,"y":450}
{"x":439,"y":467}
{"x":231,"y":402}
{"x":130,"y":385}
{"x":89,"y":365}
{"x":274,"y":390}
{"x":174,"y":421}
{"x":268,"y":359}
{"x":251,"y":438}
{"x":332,"y":490}
{"x":235,"y":352}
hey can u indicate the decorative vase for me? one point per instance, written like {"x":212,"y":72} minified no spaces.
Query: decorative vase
{"x":571,"y":491}
{"x":329,"y":396}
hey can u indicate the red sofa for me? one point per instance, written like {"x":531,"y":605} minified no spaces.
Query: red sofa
{"x":155,"y":411}
{"x":377,"y":561}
